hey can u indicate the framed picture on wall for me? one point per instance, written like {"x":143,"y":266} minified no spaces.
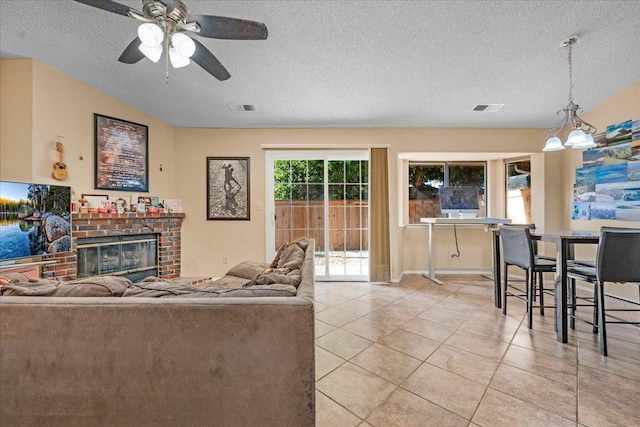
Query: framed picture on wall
{"x":228,"y":188}
{"x":121,"y":154}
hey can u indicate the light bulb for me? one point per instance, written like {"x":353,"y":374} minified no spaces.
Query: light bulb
{"x":153,"y":53}
{"x":151,"y":35}
{"x":553,"y":144}
{"x":183,"y":44}
{"x":577,"y":136}
{"x":177,"y":60}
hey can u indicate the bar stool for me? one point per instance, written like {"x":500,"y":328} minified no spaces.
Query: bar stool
{"x":518,"y":250}
{"x":617,"y":260}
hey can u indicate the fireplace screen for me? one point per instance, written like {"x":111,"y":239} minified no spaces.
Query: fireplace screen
{"x":134,"y":257}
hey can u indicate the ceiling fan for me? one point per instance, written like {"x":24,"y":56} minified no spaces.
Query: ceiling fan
{"x":163,"y":28}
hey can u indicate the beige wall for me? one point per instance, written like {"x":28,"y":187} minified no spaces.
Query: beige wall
{"x":206,"y":243}
{"x":16,"y":119}
{"x":38,"y":103}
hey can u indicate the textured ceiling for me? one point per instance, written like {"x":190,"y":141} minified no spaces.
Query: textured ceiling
{"x":351,"y":63}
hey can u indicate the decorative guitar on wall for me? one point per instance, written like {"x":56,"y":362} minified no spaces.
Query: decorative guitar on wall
{"x":59,"y":167}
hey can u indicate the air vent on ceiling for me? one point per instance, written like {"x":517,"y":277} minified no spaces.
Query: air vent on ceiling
{"x":488,"y":108}
{"x":240,"y":108}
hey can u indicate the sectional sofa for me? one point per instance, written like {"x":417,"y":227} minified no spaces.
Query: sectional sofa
{"x":165,"y":354}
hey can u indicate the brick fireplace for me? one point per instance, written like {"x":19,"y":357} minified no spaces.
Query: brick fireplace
{"x":165,"y":226}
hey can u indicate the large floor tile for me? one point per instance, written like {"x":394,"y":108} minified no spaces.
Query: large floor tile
{"x":548,"y":394}
{"x":330,"y":414}
{"x":500,"y":410}
{"x":336,"y":317}
{"x":481,"y":345}
{"x":389,"y":317}
{"x":445,"y":389}
{"x":546,"y":365}
{"x":389,"y":364}
{"x":343,"y":343}
{"x":429,"y":329}
{"x":356,"y":389}
{"x":471,"y":366}
{"x":326,"y":362}
{"x":323,"y":328}
{"x":410,"y":344}
{"x":607,"y":399}
{"x":368,"y":328}
{"x":404,"y":409}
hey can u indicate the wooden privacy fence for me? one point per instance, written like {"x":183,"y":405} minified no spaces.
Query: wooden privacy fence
{"x":348,"y":223}
{"x":428,"y":208}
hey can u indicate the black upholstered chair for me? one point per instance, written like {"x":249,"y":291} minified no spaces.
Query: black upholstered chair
{"x":617,"y":260}
{"x":518,"y":250}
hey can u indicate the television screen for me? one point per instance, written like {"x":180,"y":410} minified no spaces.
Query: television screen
{"x":35,"y":219}
{"x":459,"y":198}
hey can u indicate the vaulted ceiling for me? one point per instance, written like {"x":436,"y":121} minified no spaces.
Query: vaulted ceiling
{"x":351,"y":63}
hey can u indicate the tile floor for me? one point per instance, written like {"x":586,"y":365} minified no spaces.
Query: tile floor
{"x":417,"y":354}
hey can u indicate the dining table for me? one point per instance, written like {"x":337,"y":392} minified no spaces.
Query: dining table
{"x":565,"y":241}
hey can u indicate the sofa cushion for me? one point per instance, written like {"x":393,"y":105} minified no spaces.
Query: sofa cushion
{"x":292,"y":257}
{"x":104,"y":286}
{"x":247,"y":269}
{"x":158,"y":288}
{"x":291,"y":278}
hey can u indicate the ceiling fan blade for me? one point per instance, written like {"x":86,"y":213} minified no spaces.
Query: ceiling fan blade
{"x":220,"y":27}
{"x":132,"y":54}
{"x":109,"y":6}
{"x":204,"y":58}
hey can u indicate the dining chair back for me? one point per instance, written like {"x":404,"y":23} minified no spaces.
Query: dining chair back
{"x":617,"y":260}
{"x":518,"y":250}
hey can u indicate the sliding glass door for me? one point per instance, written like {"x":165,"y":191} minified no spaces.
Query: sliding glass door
{"x":323,"y":195}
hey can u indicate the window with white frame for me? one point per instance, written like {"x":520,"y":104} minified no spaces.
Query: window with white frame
{"x":426,"y":179}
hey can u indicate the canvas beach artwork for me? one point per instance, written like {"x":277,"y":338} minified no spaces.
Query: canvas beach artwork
{"x":628,"y":211}
{"x":633,"y":171}
{"x":584,"y":192}
{"x":593,"y":158}
{"x":581,"y":211}
{"x":611,"y":173}
{"x":616,"y":154}
{"x":585,"y":175}
{"x":619,"y":133}
{"x":603,"y":210}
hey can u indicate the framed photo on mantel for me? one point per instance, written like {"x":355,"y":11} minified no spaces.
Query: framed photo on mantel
{"x":228,"y":188}
{"x":121,"y":148}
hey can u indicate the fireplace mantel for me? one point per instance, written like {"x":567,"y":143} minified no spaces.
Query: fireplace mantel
{"x":83,"y":225}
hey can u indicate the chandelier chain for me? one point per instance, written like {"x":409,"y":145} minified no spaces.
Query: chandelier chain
{"x":570,"y":75}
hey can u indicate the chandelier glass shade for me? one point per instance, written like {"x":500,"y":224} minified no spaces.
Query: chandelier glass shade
{"x":581,"y":135}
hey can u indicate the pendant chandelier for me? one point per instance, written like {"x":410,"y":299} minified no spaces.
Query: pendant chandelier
{"x":581,"y":135}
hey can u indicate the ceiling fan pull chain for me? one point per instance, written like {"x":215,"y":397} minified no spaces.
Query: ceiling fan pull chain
{"x":166,"y":57}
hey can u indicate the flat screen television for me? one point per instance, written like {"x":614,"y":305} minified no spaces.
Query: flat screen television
{"x":459,"y":202}
{"x":35,"y":220}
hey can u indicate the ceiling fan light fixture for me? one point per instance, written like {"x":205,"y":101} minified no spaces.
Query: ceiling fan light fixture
{"x":183,"y":44}
{"x":150,"y":34}
{"x":177,"y":60}
{"x":153,"y":53}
